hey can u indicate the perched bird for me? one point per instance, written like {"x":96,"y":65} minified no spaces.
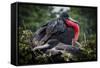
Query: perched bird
{"x":58,"y":34}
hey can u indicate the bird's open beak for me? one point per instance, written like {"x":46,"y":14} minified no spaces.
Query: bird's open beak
{"x":73,"y":20}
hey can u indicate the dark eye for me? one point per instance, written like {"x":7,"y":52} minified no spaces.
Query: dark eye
{"x":61,"y":10}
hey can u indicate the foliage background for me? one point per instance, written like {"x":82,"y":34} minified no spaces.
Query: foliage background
{"x":31,"y":17}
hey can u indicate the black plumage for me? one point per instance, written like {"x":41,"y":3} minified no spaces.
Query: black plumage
{"x":53,"y":33}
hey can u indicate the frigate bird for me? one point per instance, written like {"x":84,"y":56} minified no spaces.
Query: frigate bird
{"x":54,"y":37}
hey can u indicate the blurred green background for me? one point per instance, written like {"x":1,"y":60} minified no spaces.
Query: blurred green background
{"x":31,"y":17}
